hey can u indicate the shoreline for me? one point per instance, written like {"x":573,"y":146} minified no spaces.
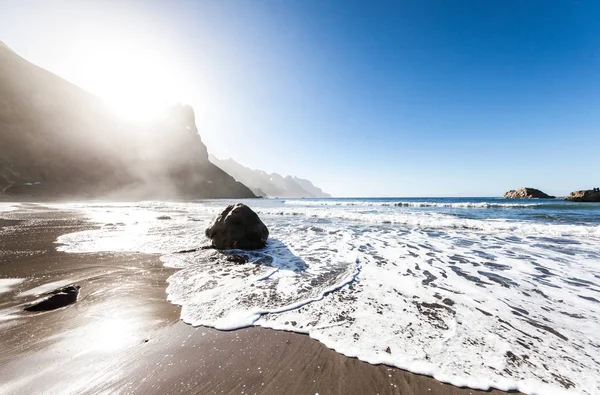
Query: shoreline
{"x":124,"y":336}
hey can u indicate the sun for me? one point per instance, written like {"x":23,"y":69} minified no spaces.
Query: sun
{"x":135,"y":78}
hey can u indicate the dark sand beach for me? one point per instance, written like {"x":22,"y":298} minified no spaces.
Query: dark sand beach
{"x":123,"y":336}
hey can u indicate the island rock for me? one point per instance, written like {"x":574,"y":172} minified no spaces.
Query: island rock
{"x":237,"y":227}
{"x":526,"y":193}
{"x":589,"y":195}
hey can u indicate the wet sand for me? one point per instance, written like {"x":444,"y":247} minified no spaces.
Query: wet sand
{"x":123,"y":336}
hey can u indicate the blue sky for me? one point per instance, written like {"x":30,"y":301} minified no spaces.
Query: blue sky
{"x":402,"y":98}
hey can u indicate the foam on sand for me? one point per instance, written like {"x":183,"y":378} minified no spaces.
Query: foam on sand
{"x":45,"y":288}
{"x":6,"y":284}
{"x":6,"y":207}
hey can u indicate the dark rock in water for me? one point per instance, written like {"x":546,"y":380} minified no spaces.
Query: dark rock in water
{"x":163,"y":217}
{"x":527,"y":193}
{"x":589,"y":195}
{"x":60,"y":298}
{"x":238,"y":227}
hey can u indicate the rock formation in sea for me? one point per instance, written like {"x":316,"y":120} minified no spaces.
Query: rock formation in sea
{"x":237,"y":227}
{"x":527,"y":193}
{"x":57,"y":140}
{"x":269,"y":184}
{"x":589,"y":195}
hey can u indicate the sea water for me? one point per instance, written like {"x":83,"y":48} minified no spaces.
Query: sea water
{"x":474,"y":292}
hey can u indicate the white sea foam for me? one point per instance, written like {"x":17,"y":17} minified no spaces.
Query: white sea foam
{"x":6,"y":207}
{"x":6,"y":284}
{"x":44,"y":288}
{"x":479,"y":303}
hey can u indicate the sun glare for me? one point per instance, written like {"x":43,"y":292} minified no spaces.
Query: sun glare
{"x":135,"y":79}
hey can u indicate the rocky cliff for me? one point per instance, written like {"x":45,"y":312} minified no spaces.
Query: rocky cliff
{"x":269,"y":184}
{"x":526,"y":193}
{"x":57,"y":140}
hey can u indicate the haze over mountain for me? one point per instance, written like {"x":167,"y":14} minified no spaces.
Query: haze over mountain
{"x":59,"y":140}
{"x":269,"y":184}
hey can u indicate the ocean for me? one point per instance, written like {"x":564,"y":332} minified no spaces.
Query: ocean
{"x":477,"y":292}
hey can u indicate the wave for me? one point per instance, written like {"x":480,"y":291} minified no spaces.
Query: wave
{"x":479,"y":205}
{"x":411,"y":204}
{"x":434,"y":220}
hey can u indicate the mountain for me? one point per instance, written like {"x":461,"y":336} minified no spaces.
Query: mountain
{"x":57,"y":140}
{"x":269,"y":185}
{"x":310,"y":188}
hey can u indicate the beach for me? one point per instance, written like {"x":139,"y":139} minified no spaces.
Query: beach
{"x":123,"y":336}
{"x":299,"y":197}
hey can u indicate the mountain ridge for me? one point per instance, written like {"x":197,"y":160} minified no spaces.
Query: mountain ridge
{"x":269,"y":184}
